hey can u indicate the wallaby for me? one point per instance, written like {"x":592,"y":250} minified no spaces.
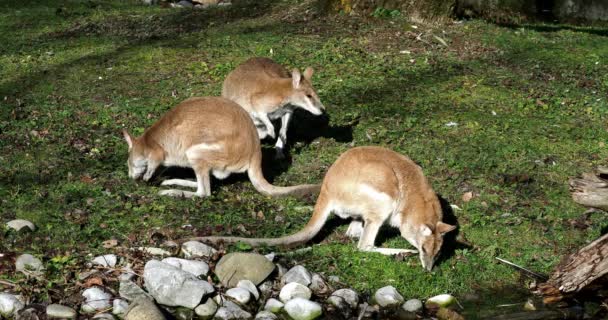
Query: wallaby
{"x":207,"y":134}
{"x":373,"y":186}
{"x":268,"y":91}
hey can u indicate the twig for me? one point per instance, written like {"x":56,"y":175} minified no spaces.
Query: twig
{"x":362,"y":311}
{"x":529,"y":272}
{"x":8,"y":283}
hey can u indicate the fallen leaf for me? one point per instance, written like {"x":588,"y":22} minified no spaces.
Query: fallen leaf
{"x":93,"y":281}
{"x":110,"y":243}
{"x":260,"y":215}
{"x":467,"y":196}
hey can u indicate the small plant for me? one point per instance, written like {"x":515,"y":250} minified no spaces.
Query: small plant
{"x":381,"y":12}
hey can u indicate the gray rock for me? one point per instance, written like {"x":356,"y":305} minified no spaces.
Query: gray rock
{"x":154,"y":251}
{"x":206,"y":310}
{"x":195,"y":249}
{"x":266,"y":287}
{"x":302,"y":309}
{"x":131,"y":291}
{"x":128,"y":274}
{"x":30,"y":265}
{"x":231,"y":311}
{"x":108,"y":260}
{"x":57,"y":311}
{"x":334,"y":279}
{"x":10,"y":304}
{"x":274,"y":305}
{"x":297,"y":274}
{"x":238,"y":266}
{"x":96,"y":299}
{"x":249,"y":286}
{"x":197,"y":268}
{"x":388,"y":297}
{"x":144,"y":309}
{"x":172,"y":286}
{"x":184,"y":4}
{"x":182,"y":313}
{"x":318,"y":285}
{"x":240,"y":295}
{"x":270,"y":256}
{"x":20,"y":224}
{"x":281,"y":270}
{"x":265,"y":315}
{"x":120,"y":307}
{"x":294,"y":290}
{"x":412,"y":305}
{"x":344,"y":298}
{"x":103,"y":316}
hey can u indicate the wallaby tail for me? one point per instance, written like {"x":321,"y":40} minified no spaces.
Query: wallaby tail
{"x":262,"y":185}
{"x":312,"y":228}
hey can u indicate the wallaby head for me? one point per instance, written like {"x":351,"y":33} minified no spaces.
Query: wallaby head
{"x":140,"y":163}
{"x":427,"y":236}
{"x":303,"y":94}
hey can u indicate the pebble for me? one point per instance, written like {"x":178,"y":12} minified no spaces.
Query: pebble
{"x":249,"y":286}
{"x":120,"y":307}
{"x":206,"y":310}
{"x":197,"y":268}
{"x":412,"y":305}
{"x":10,"y":304}
{"x":236,"y":266}
{"x":274,"y":305}
{"x":265,"y":315}
{"x":442,"y":300}
{"x":318,"y":285}
{"x":96,"y":299}
{"x":297,"y":274}
{"x":154,"y":251}
{"x":103,"y":316}
{"x":57,"y":311}
{"x":131,"y":291}
{"x":29,"y":265}
{"x":240,"y":295}
{"x":388,"y":297}
{"x":19,"y":224}
{"x":144,"y":309}
{"x":344,"y":296}
{"x":108,"y":260}
{"x":294,"y":290}
{"x":231,"y":311}
{"x":195,"y":249}
{"x":303,"y":309}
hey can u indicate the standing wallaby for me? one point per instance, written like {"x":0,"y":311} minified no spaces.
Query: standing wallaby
{"x":207,"y":134}
{"x":373,"y":186}
{"x":267,"y":91}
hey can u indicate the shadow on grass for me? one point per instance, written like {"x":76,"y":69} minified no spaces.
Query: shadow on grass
{"x":600,"y":30}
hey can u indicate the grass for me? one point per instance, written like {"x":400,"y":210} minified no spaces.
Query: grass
{"x":529,"y":103}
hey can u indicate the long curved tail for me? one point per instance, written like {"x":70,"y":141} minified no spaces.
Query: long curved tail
{"x":262,"y":185}
{"x":312,"y":228}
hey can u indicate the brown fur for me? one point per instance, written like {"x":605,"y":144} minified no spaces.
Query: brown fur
{"x":267,"y":91}
{"x":210,"y":135}
{"x":377,"y":186}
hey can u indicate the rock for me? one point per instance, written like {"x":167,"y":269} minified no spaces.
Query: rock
{"x":183,"y":314}
{"x":249,"y":286}
{"x":334,"y":279}
{"x":448,"y":314}
{"x":412,"y":305}
{"x":238,"y":266}
{"x":184,"y":4}
{"x":294,"y":290}
{"x":195,"y":249}
{"x":197,"y":268}
{"x":318,"y":285}
{"x":57,"y":311}
{"x":108,"y":260}
{"x":266,"y":287}
{"x":154,"y":251}
{"x":297,"y":274}
{"x":20,"y":224}
{"x":29,"y":265}
{"x":131,"y":291}
{"x":96,"y":299}
{"x":172,"y":286}
{"x":281,"y":270}
{"x":270,"y":256}
{"x":128,"y":274}
{"x":230,"y":311}
{"x":388,"y":297}
{"x":344,"y":296}
{"x":529,"y":305}
{"x":206,"y":310}
{"x":274,"y":305}
{"x":303,"y":309}
{"x":265,"y":315}
{"x":103,"y":316}
{"x":144,"y":309}
{"x":10,"y":304}
{"x":119,"y":307}
{"x":240,"y":295}
{"x":442,"y":300}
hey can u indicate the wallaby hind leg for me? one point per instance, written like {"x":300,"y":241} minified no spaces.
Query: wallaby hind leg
{"x":202,"y":184}
{"x":180,"y":182}
{"x":355,"y":229}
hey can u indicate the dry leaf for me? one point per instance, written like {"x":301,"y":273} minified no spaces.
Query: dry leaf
{"x":110,"y":243}
{"x":93,"y":281}
{"x":467,"y":196}
{"x":261,"y":215}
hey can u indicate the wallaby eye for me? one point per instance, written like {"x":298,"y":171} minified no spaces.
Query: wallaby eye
{"x":309,"y":96}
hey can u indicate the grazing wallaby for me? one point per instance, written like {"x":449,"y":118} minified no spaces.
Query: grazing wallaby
{"x":373,"y":186}
{"x":207,"y":134}
{"x":267,"y":91}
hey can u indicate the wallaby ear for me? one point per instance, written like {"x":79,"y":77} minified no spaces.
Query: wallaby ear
{"x":444,"y":227}
{"x":296,"y":77}
{"x":128,"y":138}
{"x":425,"y":230}
{"x":308,"y":73}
